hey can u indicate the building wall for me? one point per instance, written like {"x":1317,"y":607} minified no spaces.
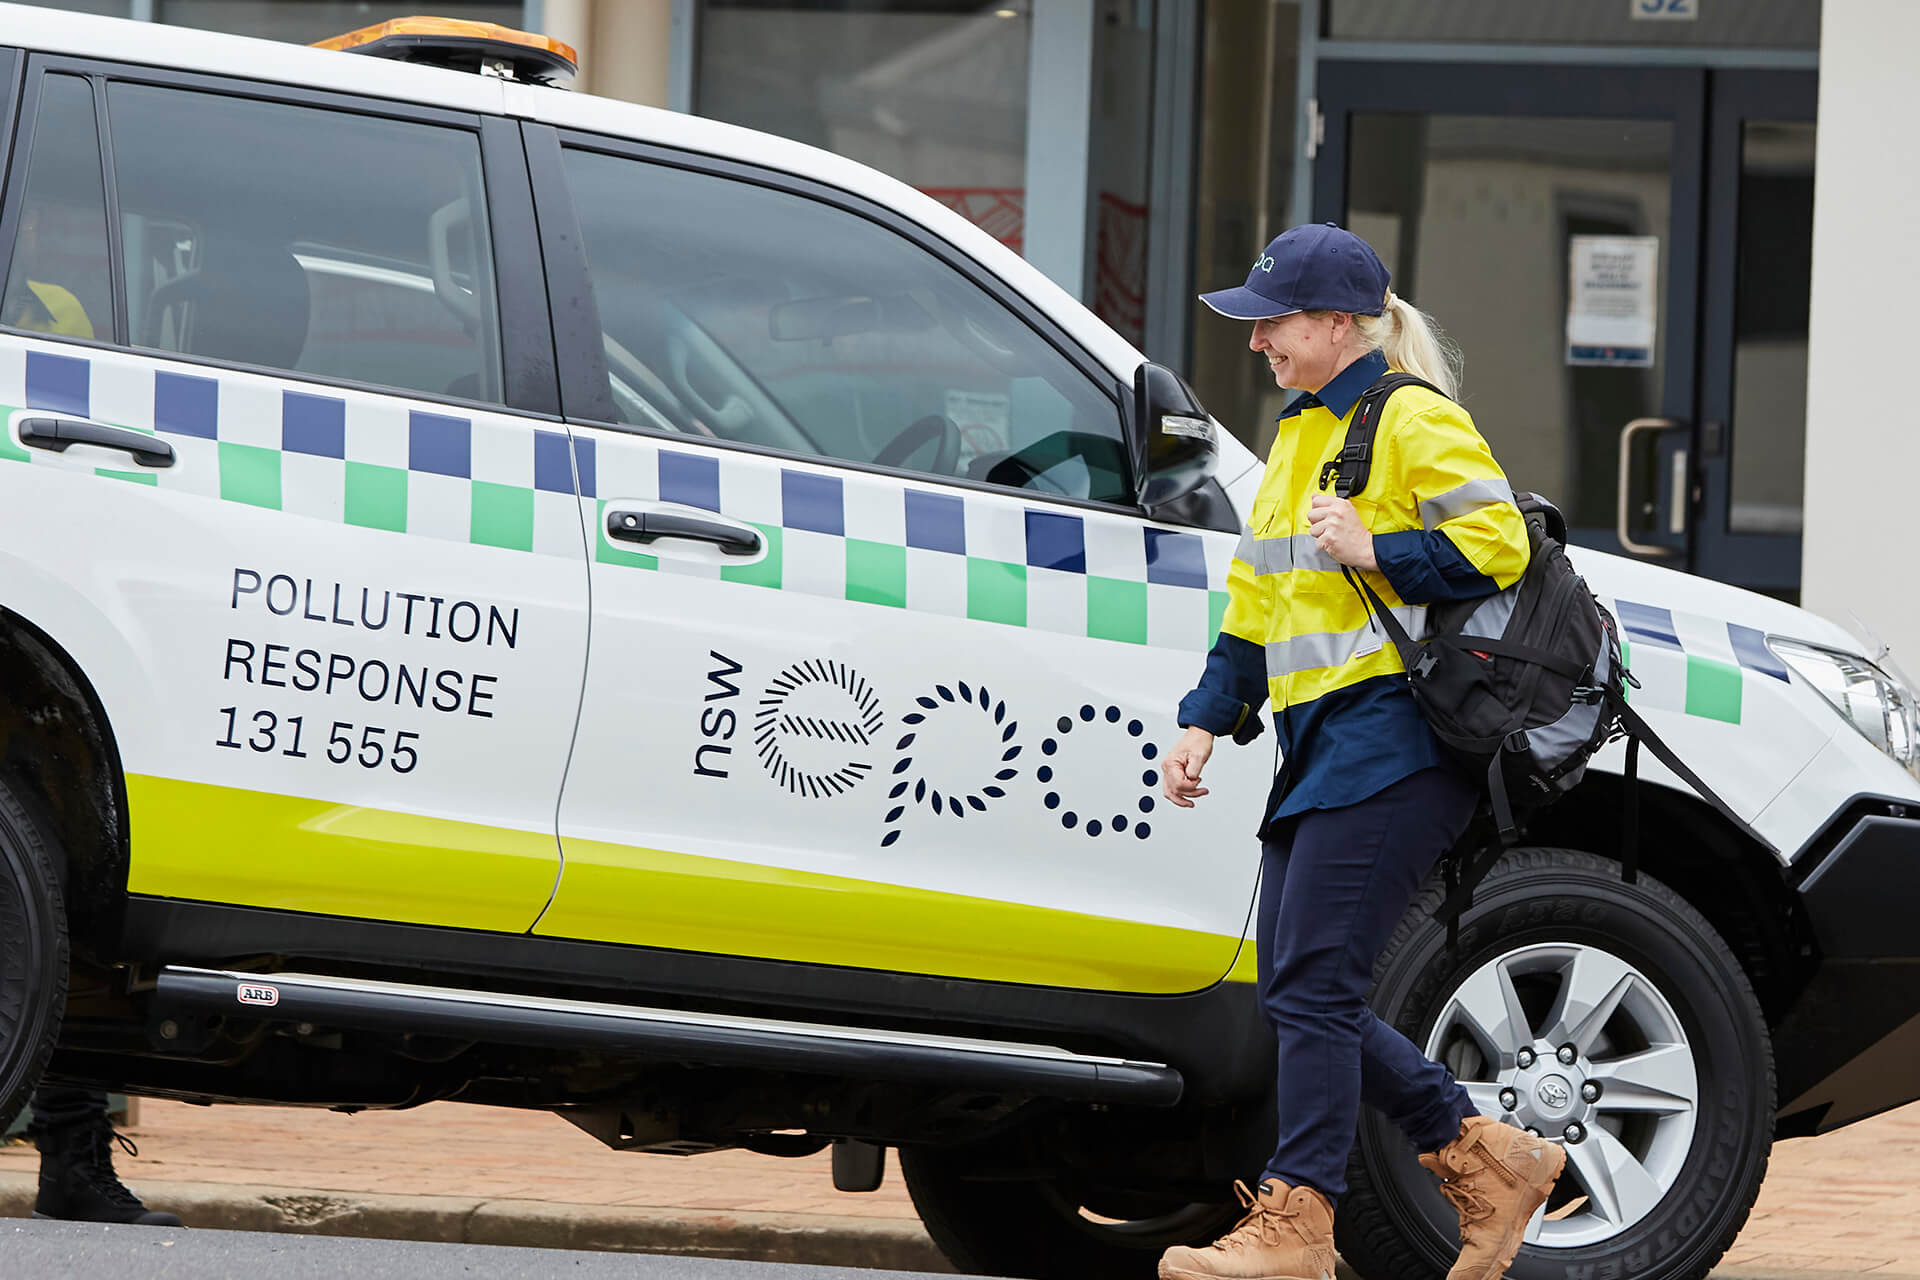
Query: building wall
{"x":625,"y":46}
{"x":1863,"y":436}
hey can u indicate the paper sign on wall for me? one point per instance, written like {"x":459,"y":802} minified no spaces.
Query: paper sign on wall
{"x":1612,"y":290}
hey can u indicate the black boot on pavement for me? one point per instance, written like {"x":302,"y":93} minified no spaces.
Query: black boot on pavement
{"x":77,"y":1181}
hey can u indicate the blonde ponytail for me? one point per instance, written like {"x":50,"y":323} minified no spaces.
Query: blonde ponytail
{"x":1413,"y":343}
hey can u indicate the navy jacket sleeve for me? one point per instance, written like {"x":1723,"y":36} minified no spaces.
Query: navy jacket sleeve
{"x":1232,"y":688}
{"x":1423,"y":566}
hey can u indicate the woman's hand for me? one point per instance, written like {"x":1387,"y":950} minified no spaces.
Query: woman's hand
{"x":1180,"y":771}
{"x":1336,"y":526}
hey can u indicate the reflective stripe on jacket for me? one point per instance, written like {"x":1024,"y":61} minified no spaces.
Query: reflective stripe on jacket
{"x":1432,"y":475}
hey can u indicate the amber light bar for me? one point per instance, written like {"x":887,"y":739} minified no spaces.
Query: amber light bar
{"x":462,"y":46}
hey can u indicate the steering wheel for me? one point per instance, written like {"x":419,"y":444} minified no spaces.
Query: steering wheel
{"x":934,"y":426}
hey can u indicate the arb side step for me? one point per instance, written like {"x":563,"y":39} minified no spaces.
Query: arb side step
{"x":669,"y":1034}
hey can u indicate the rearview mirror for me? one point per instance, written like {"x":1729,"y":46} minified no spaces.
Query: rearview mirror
{"x":1177,"y":443}
{"x":822,"y":319}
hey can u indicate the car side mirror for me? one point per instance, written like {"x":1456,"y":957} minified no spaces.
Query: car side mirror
{"x":1177,"y":444}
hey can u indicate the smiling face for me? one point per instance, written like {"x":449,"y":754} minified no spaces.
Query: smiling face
{"x":1304,"y":350}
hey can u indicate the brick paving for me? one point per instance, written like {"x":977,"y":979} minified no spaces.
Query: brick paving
{"x":1845,"y":1204}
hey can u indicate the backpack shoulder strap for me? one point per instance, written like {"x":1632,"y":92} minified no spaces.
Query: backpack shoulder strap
{"x":1476,"y":852}
{"x":1641,"y":731}
{"x":1348,"y":474}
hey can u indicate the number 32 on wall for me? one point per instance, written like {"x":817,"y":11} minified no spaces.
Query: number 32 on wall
{"x":1672,"y":10}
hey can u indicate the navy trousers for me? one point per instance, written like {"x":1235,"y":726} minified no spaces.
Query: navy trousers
{"x":1333,"y":884}
{"x":58,"y":1105}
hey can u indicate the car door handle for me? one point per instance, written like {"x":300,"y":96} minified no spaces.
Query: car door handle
{"x":628,"y":525}
{"x":60,"y":434}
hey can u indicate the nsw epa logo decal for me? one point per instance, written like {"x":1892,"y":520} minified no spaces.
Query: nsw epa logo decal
{"x":981,"y":721}
{"x":1059,"y":797}
{"x":815,"y":729}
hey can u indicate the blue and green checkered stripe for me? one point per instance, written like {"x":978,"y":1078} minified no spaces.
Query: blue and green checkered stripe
{"x":364,"y":460}
{"x":1692,"y":665}
{"x":375,"y":462}
{"x":894,"y":544}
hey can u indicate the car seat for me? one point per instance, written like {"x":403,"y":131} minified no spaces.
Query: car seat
{"x":249,"y":303}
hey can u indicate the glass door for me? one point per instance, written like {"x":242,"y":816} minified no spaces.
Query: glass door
{"x":1624,"y":255}
{"x":1750,"y":473}
{"x":1549,"y":218}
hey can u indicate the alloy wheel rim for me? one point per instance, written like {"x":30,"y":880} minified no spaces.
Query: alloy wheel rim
{"x":1577,"y":1044}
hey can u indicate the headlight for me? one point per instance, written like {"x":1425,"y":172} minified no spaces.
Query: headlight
{"x":1878,"y":705}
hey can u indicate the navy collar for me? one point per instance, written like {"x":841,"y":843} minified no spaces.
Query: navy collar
{"x":1346,"y":387}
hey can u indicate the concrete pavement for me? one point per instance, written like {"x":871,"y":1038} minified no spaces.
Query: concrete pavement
{"x":1847,"y":1204}
{"x":84,"y":1251}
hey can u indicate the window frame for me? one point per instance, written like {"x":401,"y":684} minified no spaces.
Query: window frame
{"x":23,"y":119}
{"x":586,"y":397}
{"x":529,"y":384}
{"x":10,"y":81}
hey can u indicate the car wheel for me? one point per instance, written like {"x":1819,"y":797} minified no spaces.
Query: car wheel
{"x":33,"y":954}
{"x":1609,"y":1017}
{"x":991,"y":1212}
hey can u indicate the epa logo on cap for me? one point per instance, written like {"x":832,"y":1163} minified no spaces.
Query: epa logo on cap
{"x":1263,"y":263}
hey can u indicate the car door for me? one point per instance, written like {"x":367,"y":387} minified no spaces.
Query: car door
{"x":275,"y":476}
{"x":884,"y":653}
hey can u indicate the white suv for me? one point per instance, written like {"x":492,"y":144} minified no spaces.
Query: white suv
{"x":527,"y":599}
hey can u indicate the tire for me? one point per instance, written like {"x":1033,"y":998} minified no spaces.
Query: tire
{"x":992,"y":1212}
{"x":33,"y":954}
{"x":1682,"y":1059}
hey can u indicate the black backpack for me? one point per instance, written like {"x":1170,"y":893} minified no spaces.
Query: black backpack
{"x":1521,"y":687}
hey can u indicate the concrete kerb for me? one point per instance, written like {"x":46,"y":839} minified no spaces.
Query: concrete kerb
{"x":812,"y":1239}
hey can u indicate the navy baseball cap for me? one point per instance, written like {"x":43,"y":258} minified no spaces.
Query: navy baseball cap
{"x":1313,"y":267}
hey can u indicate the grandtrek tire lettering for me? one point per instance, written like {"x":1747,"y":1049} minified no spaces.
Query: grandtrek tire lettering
{"x":717,"y":723}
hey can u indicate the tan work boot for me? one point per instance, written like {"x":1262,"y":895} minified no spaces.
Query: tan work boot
{"x":1286,"y":1235}
{"x":1496,"y":1176}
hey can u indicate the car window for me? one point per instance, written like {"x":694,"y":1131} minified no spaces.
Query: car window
{"x":302,"y":238}
{"x":58,"y":281}
{"x":757,"y":315}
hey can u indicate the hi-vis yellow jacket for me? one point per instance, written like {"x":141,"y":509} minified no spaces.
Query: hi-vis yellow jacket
{"x":48,"y":308}
{"x":1432,"y":475}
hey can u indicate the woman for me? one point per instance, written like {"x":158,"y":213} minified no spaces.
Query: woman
{"x":1365,"y":802}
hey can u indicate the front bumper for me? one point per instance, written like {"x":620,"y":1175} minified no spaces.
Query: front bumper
{"x":1850,"y":1046}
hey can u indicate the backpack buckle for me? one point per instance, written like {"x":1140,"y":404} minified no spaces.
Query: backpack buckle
{"x":1337,"y":466}
{"x":1517,"y":740}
